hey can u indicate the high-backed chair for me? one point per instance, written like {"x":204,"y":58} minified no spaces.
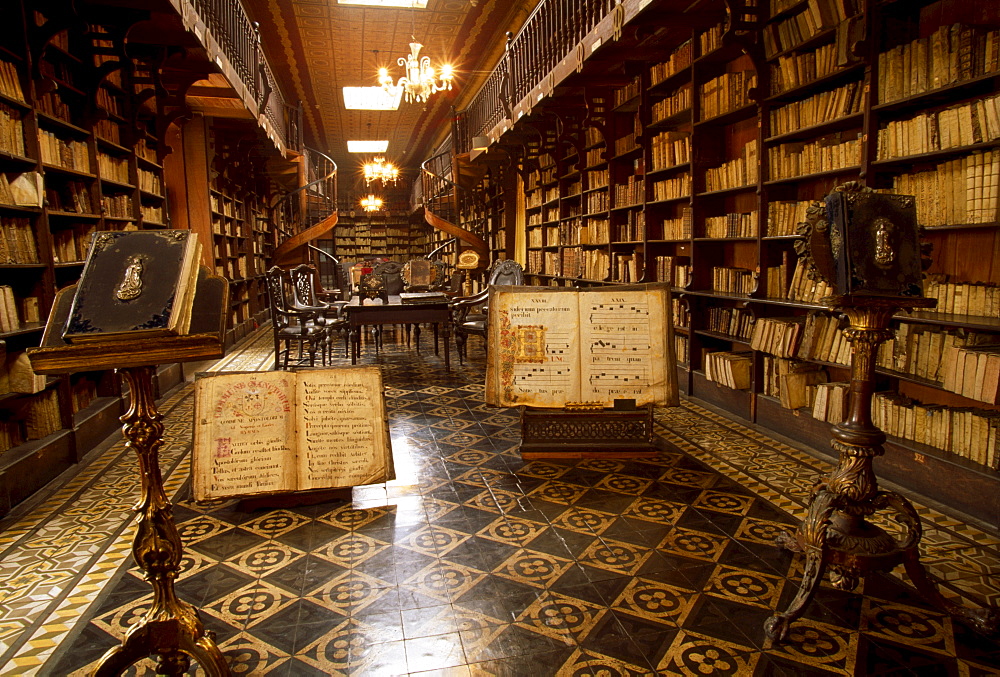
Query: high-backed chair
{"x":469,"y":313}
{"x":293,"y":327}
{"x":393,"y":274}
{"x":304,"y":281}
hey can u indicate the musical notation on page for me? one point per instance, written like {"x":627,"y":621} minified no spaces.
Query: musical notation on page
{"x":621,"y":344}
{"x":617,"y":313}
{"x":558,"y":343}
{"x":625,"y":375}
{"x":543,"y":376}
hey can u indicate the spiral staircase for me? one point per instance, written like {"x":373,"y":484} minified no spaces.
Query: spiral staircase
{"x":451,"y":203}
{"x":307,"y":213}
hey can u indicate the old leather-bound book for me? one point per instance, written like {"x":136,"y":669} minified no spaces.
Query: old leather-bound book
{"x":135,"y":283}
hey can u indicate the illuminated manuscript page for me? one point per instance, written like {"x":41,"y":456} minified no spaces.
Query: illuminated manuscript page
{"x":343,"y":440}
{"x":242,"y":435}
{"x":548,"y":347}
{"x":623,"y":337}
{"x":533,"y":356}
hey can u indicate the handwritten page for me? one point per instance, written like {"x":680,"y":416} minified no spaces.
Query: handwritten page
{"x":268,"y":432}
{"x":534,"y":344}
{"x":621,"y":356}
{"x":343,"y":440}
{"x":244,"y":429}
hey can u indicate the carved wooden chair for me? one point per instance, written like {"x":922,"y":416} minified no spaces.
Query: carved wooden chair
{"x":293,"y":328}
{"x":304,"y":281}
{"x":469,"y":313}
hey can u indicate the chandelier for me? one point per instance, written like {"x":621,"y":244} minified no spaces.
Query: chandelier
{"x":380,"y":170}
{"x":371,"y":203}
{"x":421,"y":79}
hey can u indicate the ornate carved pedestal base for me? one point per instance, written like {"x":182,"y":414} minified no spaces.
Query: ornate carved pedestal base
{"x":836,"y":534}
{"x":171,"y":629}
{"x":576,"y":433}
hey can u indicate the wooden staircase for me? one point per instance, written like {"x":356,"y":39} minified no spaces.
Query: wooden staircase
{"x":308,"y":212}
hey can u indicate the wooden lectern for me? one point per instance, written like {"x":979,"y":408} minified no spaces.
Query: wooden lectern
{"x":866,"y":246}
{"x":171,"y":629}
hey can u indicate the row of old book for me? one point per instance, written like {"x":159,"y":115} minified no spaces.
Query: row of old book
{"x":818,"y":108}
{"x":950,"y":54}
{"x":670,"y":149}
{"x":10,"y":84}
{"x":726,"y":93}
{"x":17,"y":240}
{"x":674,"y":270}
{"x":805,"y":289}
{"x":731,"y":225}
{"x":730,"y":321}
{"x":793,"y":70}
{"x":672,"y":189}
{"x":11,"y":131}
{"x":777,"y":278}
{"x":971,"y":433}
{"x":959,"y":191}
{"x":117,"y":206}
{"x":71,"y":244}
{"x":672,"y":105}
{"x":37,"y":418}
{"x":113,"y":168}
{"x":782,"y":36}
{"x":728,"y":368}
{"x":678,"y":228}
{"x":738,"y":172}
{"x":964,"y":298}
{"x":65,"y":153}
{"x":799,"y":385}
{"x":961,"y":125}
{"x":816,"y":337}
{"x":784,"y":217}
{"x":632,"y":192}
{"x":834,"y":151}
{"x":733,"y":280}
{"x":14,"y":311}
{"x":679,"y":59}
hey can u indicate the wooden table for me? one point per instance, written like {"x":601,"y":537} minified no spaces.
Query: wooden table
{"x":394,"y":312}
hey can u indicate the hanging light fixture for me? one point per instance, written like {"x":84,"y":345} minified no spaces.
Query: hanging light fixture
{"x":371,"y":203}
{"x":421,"y":78}
{"x":380,"y":170}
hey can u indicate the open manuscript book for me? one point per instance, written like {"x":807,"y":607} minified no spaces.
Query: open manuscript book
{"x":549,"y":346}
{"x":276,"y":431}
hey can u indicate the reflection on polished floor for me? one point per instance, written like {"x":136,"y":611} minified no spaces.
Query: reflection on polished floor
{"x":474,"y":562}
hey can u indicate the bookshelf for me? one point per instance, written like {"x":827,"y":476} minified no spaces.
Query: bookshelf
{"x":731,"y":137}
{"x":84,"y":148}
{"x":391,"y":234}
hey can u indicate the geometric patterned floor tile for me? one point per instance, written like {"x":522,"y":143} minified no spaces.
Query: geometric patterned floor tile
{"x":478,"y":563}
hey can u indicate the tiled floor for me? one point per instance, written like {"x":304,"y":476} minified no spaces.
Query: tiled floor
{"x":474,"y":562}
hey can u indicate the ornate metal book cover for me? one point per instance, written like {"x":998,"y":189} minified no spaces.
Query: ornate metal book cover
{"x":138,"y":283}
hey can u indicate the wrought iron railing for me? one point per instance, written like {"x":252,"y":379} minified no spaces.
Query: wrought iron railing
{"x":549,"y":35}
{"x":239,"y":39}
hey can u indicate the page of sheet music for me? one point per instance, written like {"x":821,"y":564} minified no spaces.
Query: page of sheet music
{"x":534,"y":349}
{"x":622,"y":346}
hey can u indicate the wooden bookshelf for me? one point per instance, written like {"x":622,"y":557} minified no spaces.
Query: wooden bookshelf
{"x":776,"y":117}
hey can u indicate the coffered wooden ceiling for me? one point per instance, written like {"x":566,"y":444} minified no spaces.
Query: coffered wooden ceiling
{"x":316,"y":47}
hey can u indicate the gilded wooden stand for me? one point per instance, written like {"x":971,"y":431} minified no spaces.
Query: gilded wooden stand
{"x":171,"y":629}
{"x":836,"y":534}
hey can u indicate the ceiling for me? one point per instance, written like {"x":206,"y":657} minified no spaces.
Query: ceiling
{"x":316,"y":47}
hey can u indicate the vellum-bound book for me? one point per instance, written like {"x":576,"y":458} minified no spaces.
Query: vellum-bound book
{"x":549,"y":347}
{"x":135,"y":284}
{"x":279,"y":431}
